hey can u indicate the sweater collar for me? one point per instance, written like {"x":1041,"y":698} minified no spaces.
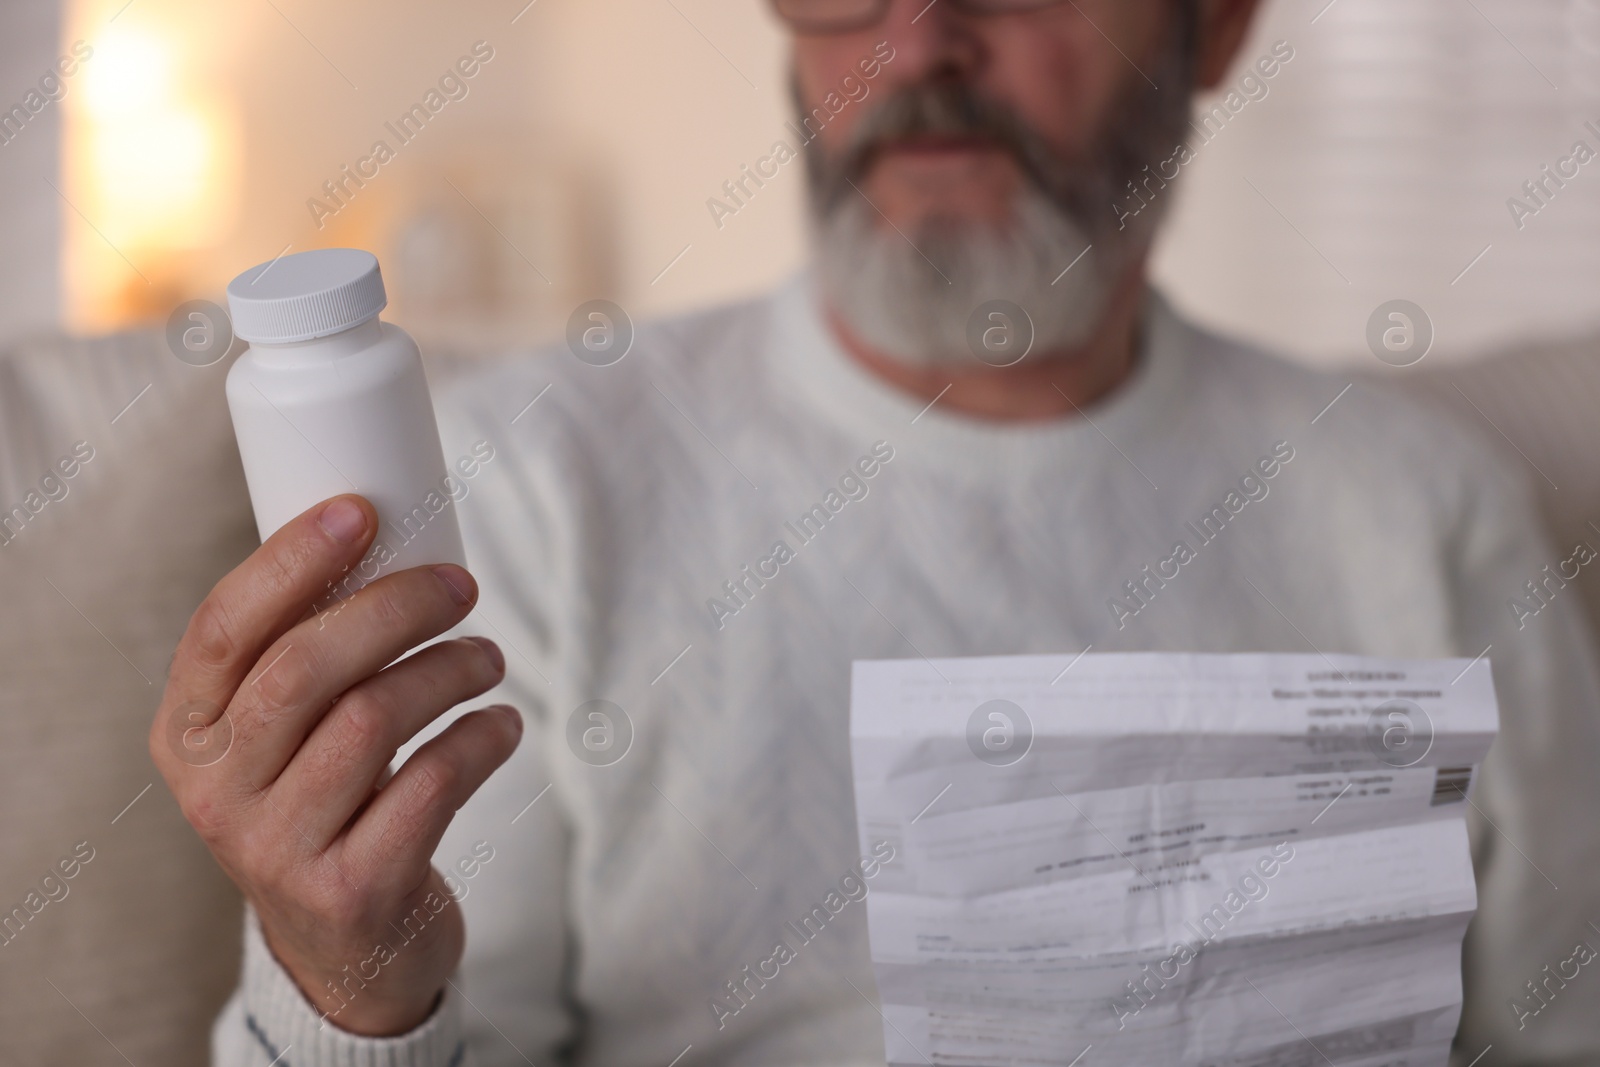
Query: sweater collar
{"x":820,"y":373}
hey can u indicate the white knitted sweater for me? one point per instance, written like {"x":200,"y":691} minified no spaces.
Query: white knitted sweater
{"x":628,"y":502}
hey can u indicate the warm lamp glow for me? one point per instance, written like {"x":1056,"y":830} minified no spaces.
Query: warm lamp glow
{"x":132,"y":71}
{"x":160,"y":177}
{"x":151,"y":164}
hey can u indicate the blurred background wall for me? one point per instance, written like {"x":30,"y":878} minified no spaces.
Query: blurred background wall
{"x":1378,"y":166}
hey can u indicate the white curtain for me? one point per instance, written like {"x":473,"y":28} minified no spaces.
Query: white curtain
{"x":1379,"y":167}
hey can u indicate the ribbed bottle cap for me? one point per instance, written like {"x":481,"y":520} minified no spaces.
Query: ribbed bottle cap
{"x":306,"y":295}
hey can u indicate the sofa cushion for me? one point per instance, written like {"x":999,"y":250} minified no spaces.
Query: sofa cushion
{"x":1541,"y":406}
{"x":101,"y":569}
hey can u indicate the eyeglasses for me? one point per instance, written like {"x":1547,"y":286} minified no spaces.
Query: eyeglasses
{"x":839,"y":16}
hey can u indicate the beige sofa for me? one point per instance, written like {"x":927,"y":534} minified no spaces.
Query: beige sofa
{"x":1541,"y":405}
{"x":137,"y":950}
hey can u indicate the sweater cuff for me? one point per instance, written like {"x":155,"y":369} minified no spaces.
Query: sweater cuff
{"x":282,"y":1022}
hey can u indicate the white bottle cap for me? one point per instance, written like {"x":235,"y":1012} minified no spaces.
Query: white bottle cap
{"x":306,"y":295}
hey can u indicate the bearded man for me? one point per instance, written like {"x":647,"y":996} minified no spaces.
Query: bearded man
{"x":970,"y":428}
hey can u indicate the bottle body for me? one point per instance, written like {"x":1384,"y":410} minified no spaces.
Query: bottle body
{"x":347,"y":413}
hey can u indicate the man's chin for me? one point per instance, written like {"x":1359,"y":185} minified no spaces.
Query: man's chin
{"x":931,"y":298}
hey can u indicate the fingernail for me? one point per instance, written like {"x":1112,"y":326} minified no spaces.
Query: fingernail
{"x":493,"y":650}
{"x":343,"y":520}
{"x":458,"y":581}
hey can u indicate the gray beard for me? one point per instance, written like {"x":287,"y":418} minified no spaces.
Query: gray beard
{"x":915,"y":302}
{"x":1060,"y":257}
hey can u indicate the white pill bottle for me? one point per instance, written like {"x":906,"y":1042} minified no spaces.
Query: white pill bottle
{"x":329,"y":399}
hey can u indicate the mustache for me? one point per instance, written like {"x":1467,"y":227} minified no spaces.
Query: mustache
{"x":942,"y":108}
{"x":1140,"y":128}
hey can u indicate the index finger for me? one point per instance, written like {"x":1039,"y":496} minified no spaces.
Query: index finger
{"x":265,"y":596}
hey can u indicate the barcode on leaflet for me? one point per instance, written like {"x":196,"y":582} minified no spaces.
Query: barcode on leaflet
{"x":1450,"y":785}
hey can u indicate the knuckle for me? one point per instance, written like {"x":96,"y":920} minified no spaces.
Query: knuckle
{"x":282,"y":566}
{"x":436,"y":782}
{"x":387,"y":608}
{"x":212,"y":641}
{"x":362,"y":719}
{"x":271,"y":574}
{"x":257,"y":851}
{"x":321,"y":883}
{"x":288,"y":675}
{"x":206,"y":813}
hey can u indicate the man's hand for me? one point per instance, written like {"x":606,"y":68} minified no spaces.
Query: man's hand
{"x":275,"y":732}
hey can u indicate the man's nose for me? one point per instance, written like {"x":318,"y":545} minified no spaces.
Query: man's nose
{"x":930,"y":38}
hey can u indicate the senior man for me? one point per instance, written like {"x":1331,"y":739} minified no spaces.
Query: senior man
{"x":876,"y":460}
